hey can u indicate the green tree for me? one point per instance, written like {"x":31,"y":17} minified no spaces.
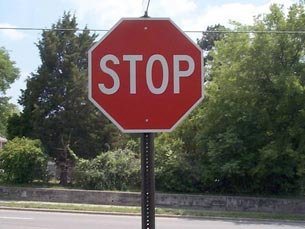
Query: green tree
{"x":56,"y":108}
{"x":8,"y":74}
{"x":7,"y":110}
{"x":177,"y":166}
{"x":209,"y":37}
{"x":252,"y":132}
{"x":23,"y":161}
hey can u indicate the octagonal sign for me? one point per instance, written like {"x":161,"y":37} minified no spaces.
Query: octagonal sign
{"x":145,"y":75}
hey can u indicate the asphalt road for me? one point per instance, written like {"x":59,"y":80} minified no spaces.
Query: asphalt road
{"x":11,"y":219}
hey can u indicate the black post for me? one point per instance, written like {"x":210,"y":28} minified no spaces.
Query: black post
{"x":148,"y":181}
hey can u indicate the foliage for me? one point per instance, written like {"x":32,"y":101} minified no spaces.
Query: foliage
{"x":253,"y":116}
{"x":173,"y":170}
{"x":23,"y":161}
{"x":8,"y":74}
{"x":209,"y":37}
{"x":56,"y":107}
{"x":7,"y":110}
{"x":248,"y":134}
{"x":112,"y":170}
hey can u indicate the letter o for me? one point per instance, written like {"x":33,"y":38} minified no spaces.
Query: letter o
{"x":149,"y":80}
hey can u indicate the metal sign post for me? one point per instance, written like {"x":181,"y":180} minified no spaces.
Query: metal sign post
{"x":148,"y":181}
{"x":145,"y":104}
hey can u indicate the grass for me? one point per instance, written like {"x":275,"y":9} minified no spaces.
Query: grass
{"x":69,"y":207}
{"x":159,"y":211}
{"x":137,"y":210}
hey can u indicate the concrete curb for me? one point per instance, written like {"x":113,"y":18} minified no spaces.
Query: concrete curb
{"x":216,"y":218}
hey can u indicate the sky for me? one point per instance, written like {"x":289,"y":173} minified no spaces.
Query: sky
{"x":189,"y":15}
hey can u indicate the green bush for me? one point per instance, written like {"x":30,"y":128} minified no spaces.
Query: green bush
{"x":112,"y":170}
{"x":172,"y":168}
{"x":22,"y":161}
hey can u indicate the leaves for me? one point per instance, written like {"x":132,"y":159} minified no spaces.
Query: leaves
{"x":112,"y":170}
{"x":6,"y":111}
{"x":253,"y":108}
{"x":23,"y":160}
{"x":56,"y":108}
{"x":8,"y":72}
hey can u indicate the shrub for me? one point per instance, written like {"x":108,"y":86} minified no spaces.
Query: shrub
{"x":22,"y":161}
{"x":172,"y":169}
{"x":112,"y":170}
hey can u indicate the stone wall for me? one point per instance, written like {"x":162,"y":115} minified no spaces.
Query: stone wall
{"x":232,"y":203}
{"x":194,"y":202}
{"x":69,"y":196}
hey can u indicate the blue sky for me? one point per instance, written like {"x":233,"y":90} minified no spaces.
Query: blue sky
{"x":103,"y":14}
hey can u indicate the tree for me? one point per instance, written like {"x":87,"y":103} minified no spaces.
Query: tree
{"x":7,"y":109}
{"x":56,"y":108}
{"x":8,"y":74}
{"x":210,"y":36}
{"x":252,"y":134}
{"x":177,"y":166}
{"x":23,"y":161}
{"x":208,"y":39}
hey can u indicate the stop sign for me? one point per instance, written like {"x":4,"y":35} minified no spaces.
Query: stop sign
{"x":145,"y":75}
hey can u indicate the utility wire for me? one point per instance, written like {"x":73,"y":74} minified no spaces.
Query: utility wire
{"x":53,"y":29}
{"x":252,"y":31}
{"x":186,"y":31}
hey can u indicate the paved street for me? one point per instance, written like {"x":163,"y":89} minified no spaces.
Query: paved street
{"x":10,"y":219}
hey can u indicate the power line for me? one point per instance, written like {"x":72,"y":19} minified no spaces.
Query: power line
{"x":186,"y":31}
{"x":52,"y":29}
{"x":250,"y":31}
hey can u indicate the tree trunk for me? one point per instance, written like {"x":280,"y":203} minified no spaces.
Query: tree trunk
{"x":63,"y":163}
{"x":63,"y":178}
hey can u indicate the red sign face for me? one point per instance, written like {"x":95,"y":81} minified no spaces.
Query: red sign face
{"x":145,"y":75}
